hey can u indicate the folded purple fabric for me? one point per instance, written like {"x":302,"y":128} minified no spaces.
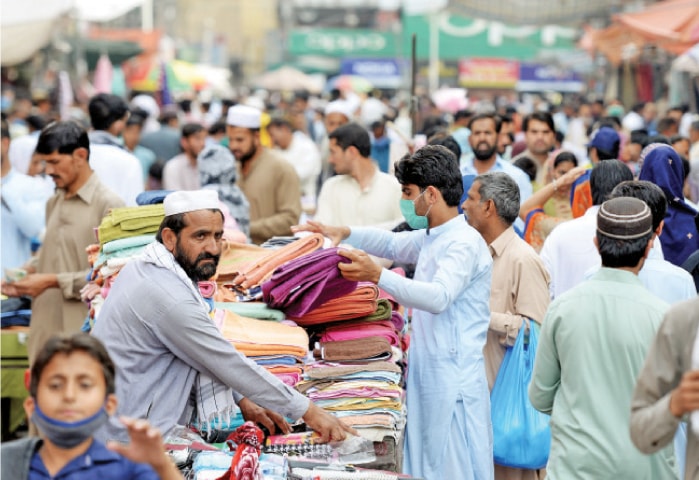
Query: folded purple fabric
{"x":303,"y":284}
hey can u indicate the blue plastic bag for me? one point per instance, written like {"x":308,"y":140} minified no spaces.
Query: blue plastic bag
{"x":521,"y":434}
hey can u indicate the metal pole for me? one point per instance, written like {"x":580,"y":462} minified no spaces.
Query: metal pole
{"x":434,"y":52}
{"x":413,"y":81}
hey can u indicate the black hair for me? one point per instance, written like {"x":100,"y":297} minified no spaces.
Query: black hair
{"x":217,"y":127}
{"x":445,"y":140}
{"x":105,"y":109}
{"x":68,"y":344}
{"x":497,"y":121}
{"x":528,"y":166}
{"x":432,"y":165}
{"x":352,"y":135}
{"x":565,"y":156}
{"x":544,"y":117}
{"x":665,"y":123}
{"x":175,"y":222}
{"x":280,"y":122}
{"x":559,"y":136}
{"x":462,"y":114}
{"x":640,"y":137}
{"x":617,"y":253}
{"x":167,"y":117}
{"x":659,"y":139}
{"x":185,"y":105}
{"x":138,"y":117}
{"x":605,"y":176}
{"x":301,"y":95}
{"x":651,"y":194}
{"x":686,"y":166}
{"x":156,"y":169}
{"x":678,"y":138}
{"x":62,"y":137}
{"x":611,"y":121}
{"x":189,"y":129}
{"x":432,"y":124}
{"x":505,"y":118}
{"x":36,"y":122}
{"x":5,"y":129}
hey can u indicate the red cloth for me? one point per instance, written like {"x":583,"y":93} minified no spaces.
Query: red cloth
{"x":245,"y":464}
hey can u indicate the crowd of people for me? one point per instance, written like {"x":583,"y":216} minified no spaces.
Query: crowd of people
{"x":580,"y":221}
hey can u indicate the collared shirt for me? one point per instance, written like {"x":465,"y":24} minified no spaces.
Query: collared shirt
{"x":161,"y":336}
{"x":70,"y":228}
{"x":96,"y":463}
{"x":520,"y":289}
{"x":447,"y":388}
{"x":272,"y":188}
{"x":180,"y":174}
{"x":592,"y":346}
{"x":23,"y":210}
{"x":343,"y":202}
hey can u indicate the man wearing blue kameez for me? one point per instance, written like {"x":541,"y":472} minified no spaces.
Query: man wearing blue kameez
{"x":448,"y":433}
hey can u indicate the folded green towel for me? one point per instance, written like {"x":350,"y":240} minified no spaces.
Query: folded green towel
{"x":256,"y":310}
{"x":130,"y":222}
{"x":382,"y":312}
{"x":120,"y":215}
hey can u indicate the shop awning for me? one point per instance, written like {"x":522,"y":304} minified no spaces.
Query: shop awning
{"x":27,"y":26}
{"x":673,"y":24}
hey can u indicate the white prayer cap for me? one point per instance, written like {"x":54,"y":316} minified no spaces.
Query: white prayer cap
{"x":184,"y":201}
{"x":339,"y":106}
{"x":244,"y":116}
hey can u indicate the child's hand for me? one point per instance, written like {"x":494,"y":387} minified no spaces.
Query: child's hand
{"x":146,"y":445}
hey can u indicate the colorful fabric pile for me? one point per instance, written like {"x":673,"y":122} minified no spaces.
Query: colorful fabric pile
{"x":279,"y":347}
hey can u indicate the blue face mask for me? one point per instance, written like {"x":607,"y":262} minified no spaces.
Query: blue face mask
{"x":416,"y":222}
{"x":68,"y":434}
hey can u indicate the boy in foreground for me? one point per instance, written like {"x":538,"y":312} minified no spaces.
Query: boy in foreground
{"x":71,"y":395}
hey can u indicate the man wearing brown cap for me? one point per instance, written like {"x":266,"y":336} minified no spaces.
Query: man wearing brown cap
{"x":593,"y":344}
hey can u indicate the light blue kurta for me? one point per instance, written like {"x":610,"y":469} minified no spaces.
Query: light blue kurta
{"x":448,"y":433}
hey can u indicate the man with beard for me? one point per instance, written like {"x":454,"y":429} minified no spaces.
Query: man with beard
{"x":539,"y":136}
{"x":156,"y":327}
{"x":485,"y":130}
{"x":270,"y":183}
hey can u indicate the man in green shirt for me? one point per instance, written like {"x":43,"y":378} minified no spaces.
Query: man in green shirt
{"x":593,"y":344}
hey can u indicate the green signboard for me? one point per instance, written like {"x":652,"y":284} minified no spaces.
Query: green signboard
{"x":463,"y":37}
{"x":343,"y":43}
{"x":459,"y":37}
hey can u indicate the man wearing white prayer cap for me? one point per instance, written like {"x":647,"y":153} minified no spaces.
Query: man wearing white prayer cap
{"x":269,"y":182}
{"x":337,"y":113}
{"x":157,"y":327}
